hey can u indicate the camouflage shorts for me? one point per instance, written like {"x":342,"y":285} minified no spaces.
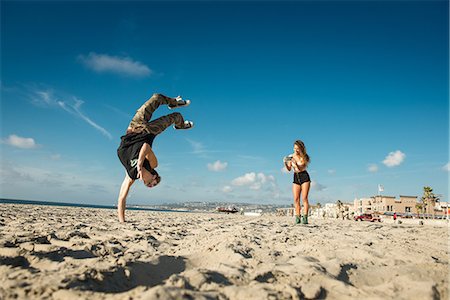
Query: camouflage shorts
{"x":141,"y":120}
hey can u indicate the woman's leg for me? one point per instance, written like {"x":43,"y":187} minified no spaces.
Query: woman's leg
{"x":305,"y":190}
{"x":296,"y":188}
{"x":144,"y":113}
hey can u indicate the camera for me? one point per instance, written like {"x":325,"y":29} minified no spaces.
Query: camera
{"x":288,"y":158}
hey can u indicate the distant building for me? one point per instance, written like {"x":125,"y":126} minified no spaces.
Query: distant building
{"x":349,"y":207}
{"x":330,"y":210}
{"x":405,"y":205}
{"x":442,"y":208}
{"x":333,"y":211}
{"x":285,"y":211}
{"x":381,"y":204}
{"x":363,"y":205}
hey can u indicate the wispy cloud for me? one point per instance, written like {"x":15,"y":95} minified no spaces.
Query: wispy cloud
{"x":55,"y":156}
{"x":197,"y":147}
{"x":114,"y":64}
{"x":250,"y":157}
{"x":119,"y":112}
{"x":446,"y":167}
{"x":372,"y":168}
{"x":394,"y":158}
{"x":51,"y":180}
{"x":217,"y":166}
{"x":70,"y":104}
{"x":20,"y":142}
{"x":331,"y":171}
{"x":74,"y":109}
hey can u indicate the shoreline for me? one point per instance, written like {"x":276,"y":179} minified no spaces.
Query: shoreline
{"x":67,"y":204}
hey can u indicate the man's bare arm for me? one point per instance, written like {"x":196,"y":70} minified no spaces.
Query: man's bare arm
{"x":126,"y":184}
{"x":147,"y":153}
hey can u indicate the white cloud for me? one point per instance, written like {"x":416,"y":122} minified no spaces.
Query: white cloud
{"x":394,"y":158}
{"x":227,"y":189}
{"x":254,"y":181}
{"x":317,"y":186}
{"x":217,"y":166}
{"x":446,"y":167}
{"x":331,"y":171}
{"x":373,"y":168}
{"x":69,"y":103}
{"x":247,"y":179}
{"x":21,"y":142}
{"x":115,"y":64}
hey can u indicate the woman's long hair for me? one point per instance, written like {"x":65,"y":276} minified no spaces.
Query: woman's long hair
{"x":303,"y":153}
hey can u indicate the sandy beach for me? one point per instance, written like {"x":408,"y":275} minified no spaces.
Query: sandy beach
{"x":83,"y":253}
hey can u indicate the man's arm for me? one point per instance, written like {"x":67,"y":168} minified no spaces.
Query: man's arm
{"x":126,"y":184}
{"x":146,"y":153}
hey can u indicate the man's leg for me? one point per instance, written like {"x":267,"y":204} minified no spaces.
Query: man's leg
{"x":144,"y":113}
{"x":159,"y":125}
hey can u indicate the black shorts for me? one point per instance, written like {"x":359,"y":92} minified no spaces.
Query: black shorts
{"x":301,"y":177}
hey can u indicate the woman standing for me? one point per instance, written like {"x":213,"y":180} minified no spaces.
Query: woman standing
{"x":298,"y":161}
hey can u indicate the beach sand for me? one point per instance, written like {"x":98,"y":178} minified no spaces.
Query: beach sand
{"x":82,"y":253}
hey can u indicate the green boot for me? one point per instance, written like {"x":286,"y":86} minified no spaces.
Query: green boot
{"x":304,"y":219}
{"x":297,"y":220}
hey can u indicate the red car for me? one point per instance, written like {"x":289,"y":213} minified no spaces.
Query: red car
{"x":367,"y":217}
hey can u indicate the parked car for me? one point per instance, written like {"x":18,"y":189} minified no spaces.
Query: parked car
{"x":367,"y":217}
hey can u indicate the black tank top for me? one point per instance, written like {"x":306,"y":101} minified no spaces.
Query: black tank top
{"x":129,"y":149}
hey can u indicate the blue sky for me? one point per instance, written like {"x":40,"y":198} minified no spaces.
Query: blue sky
{"x":363,"y":84}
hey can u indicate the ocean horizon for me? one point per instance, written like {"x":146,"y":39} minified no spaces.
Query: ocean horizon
{"x":67,"y":204}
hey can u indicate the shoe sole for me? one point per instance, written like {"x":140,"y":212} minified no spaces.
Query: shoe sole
{"x":187,"y":104}
{"x":174,"y":127}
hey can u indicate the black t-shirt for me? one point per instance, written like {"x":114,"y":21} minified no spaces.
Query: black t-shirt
{"x":129,"y":149}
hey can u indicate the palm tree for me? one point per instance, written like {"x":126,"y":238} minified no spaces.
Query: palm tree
{"x":419,"y":209}
{"x":429,"y":199}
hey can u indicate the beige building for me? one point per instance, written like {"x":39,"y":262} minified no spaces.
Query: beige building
{"x":406,"y":204}
{"x":381,"y":204}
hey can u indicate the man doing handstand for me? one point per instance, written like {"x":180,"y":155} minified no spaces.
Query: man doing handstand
{"x":135,"y":150}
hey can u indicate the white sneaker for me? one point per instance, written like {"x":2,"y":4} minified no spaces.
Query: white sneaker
{"x":187,"y":125}
{"x":180,"y":102}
